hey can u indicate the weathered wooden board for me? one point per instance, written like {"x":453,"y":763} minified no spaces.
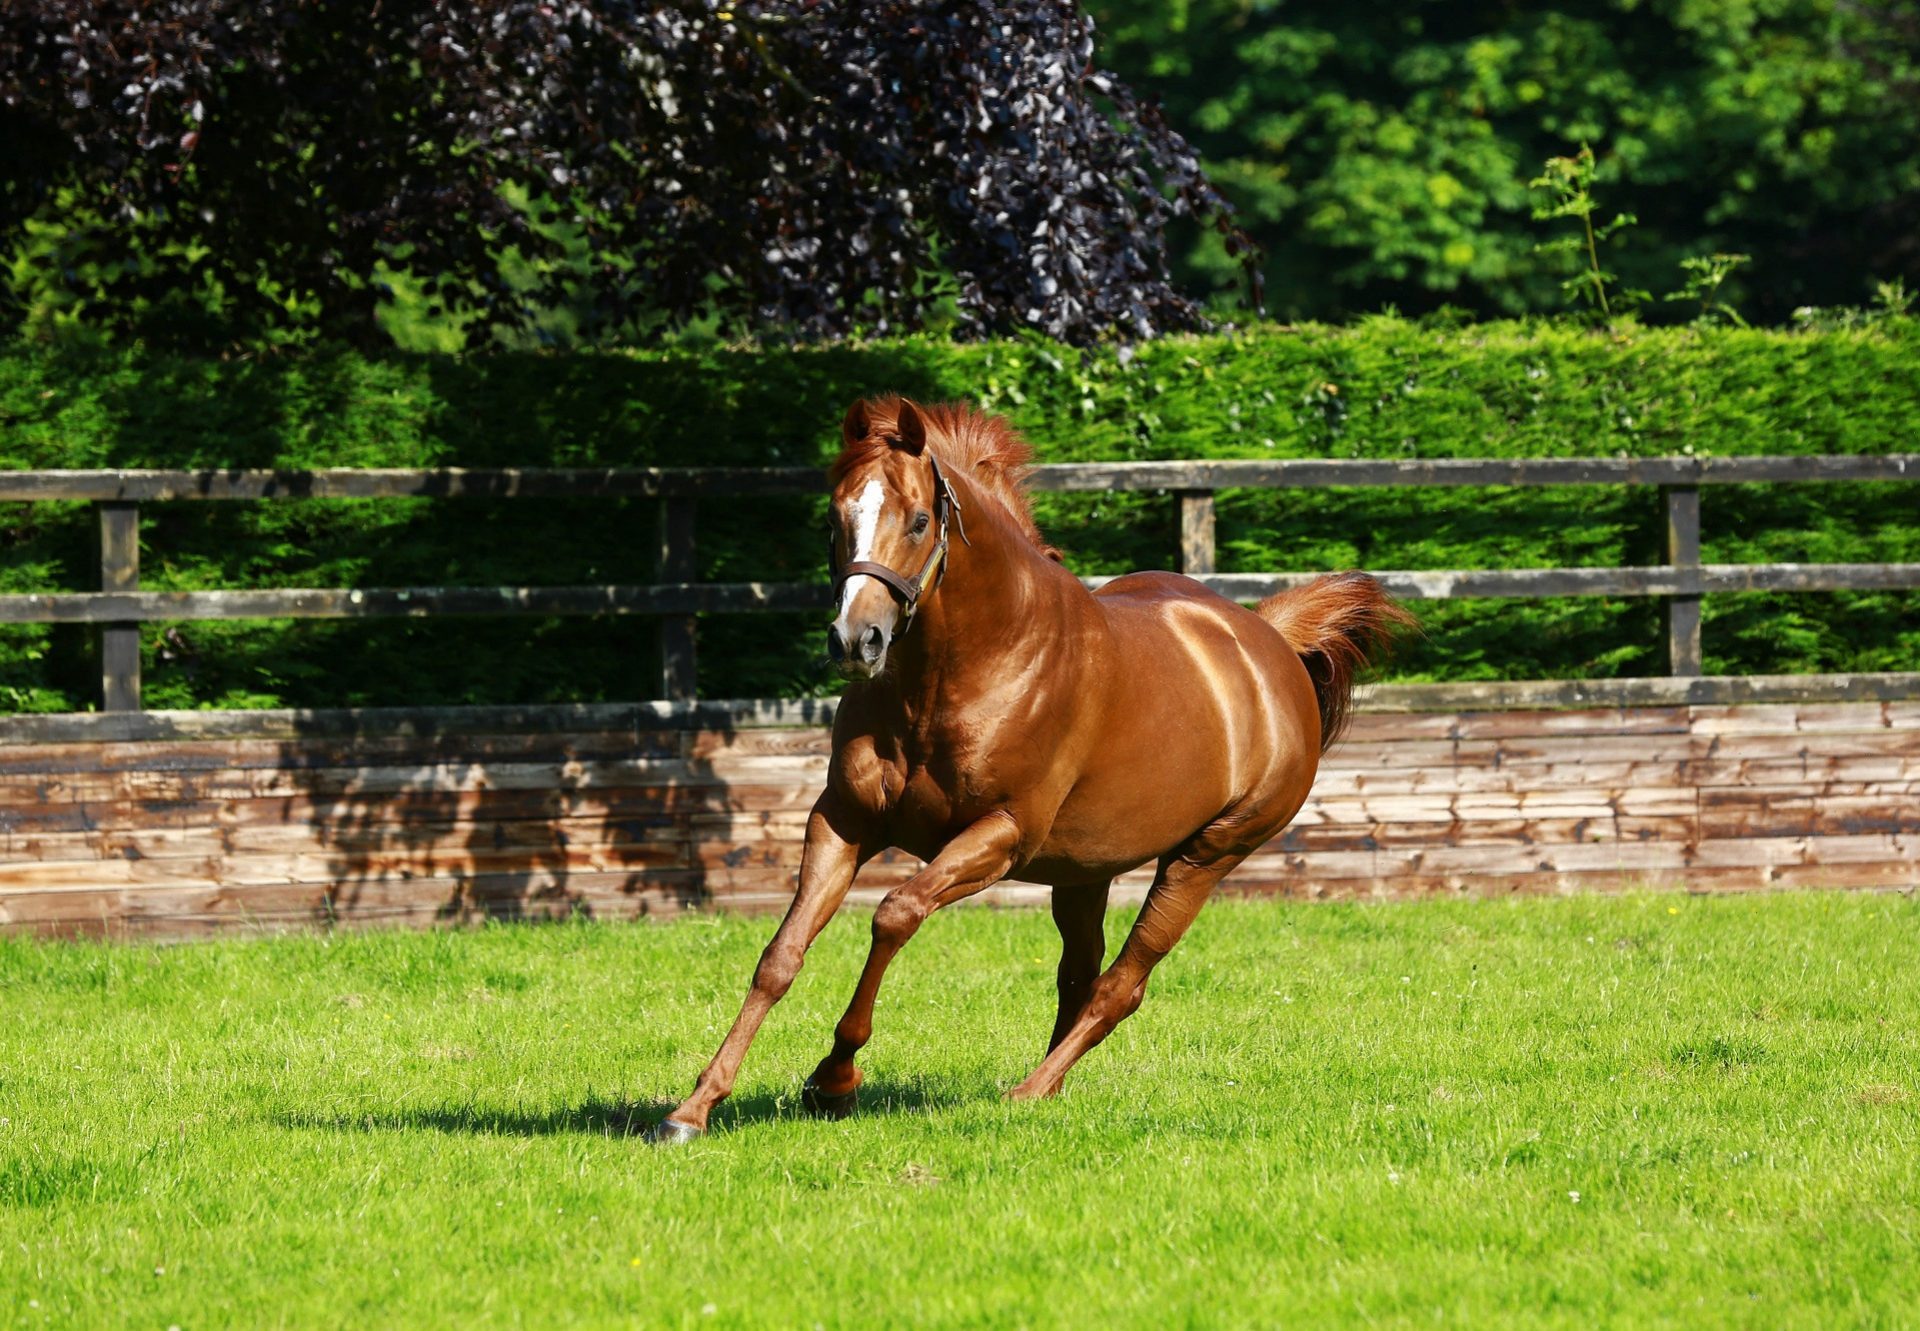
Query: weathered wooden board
{"x":684,"y":599}
{"x":1618,"y":776}
{"x":1363,"y":755}
{"x":208,"y":755}
{"x":476,"y":806}
{"x":173,"y":837}
{"x":230,"y":483}
{"x":427,"y":778}
{"x":1532,"y":702}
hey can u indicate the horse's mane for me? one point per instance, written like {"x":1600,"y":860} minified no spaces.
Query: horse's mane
{"x":988,"y":450}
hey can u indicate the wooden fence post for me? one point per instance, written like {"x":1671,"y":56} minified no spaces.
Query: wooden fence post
{"x":119,"y":572}
{"x":1196,"y":532}
{"x":1683,"y":551}
{"x":673,"y":562}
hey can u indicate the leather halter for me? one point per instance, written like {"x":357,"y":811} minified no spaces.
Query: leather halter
{"x":946,"y":504}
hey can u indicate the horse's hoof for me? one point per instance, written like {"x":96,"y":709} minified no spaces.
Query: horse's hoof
{"x":821,"y":1105}
{"x":672,"y":1132}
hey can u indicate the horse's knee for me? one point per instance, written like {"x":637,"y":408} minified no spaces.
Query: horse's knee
{"x":896,"y":919}
{"x":778,"y":965}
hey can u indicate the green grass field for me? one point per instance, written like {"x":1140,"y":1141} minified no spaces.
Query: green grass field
{"x":1652,"y":1110}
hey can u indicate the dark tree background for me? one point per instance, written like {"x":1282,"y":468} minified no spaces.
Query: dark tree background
{"x":1382,"y":152}
{"x":227,"y":173}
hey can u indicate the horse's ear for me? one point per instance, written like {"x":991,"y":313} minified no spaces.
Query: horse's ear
{"x":913,"y":428}
{"x":856,"y":424}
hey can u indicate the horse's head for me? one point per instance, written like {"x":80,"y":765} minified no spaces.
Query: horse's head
{"x":887,"y":530}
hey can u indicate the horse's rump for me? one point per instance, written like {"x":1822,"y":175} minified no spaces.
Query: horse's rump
{"x":1186,"y":705}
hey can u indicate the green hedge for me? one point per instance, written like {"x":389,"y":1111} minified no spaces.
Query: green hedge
{"x":1383,"y":388}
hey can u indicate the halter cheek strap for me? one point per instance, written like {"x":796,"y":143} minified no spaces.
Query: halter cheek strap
{"x":946,"y":505}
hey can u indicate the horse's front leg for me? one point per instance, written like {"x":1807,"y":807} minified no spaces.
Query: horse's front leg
{"x":979,"y":857}
{"x":827,"y":867}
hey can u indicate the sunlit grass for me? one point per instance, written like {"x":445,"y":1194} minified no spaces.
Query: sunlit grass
{"x":1647,"y":1110}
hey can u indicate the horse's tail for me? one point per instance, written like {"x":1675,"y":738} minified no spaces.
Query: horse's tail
{"x":1340,"y":624}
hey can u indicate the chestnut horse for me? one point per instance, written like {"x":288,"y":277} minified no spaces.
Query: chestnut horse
{"x":1004,"y":722}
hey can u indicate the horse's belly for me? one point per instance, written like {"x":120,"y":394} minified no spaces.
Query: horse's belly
{"x":1071,"y":870}
{"x":1123,"y":821}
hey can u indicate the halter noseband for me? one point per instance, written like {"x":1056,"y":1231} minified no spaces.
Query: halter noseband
{"x":946,"y":504}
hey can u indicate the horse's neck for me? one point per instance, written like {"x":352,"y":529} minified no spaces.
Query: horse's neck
{"x":997,"y":610}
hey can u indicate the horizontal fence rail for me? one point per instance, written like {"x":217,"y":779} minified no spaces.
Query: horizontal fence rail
{"x":708,"y":598}
{"x":120,"y":607}
{"x":708,"y":482}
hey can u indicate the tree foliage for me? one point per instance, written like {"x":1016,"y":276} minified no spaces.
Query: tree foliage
{"x":815,"y":167}
{"x":1382,"y":153}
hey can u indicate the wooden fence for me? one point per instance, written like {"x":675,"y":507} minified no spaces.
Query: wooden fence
{"x":176,"y":825}
{"x":119,"y":607}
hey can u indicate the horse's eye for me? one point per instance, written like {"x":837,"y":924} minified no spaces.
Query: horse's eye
{"x":919,"y":523}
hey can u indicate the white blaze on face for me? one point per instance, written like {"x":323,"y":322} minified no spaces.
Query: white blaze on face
{"x":863,"y":516}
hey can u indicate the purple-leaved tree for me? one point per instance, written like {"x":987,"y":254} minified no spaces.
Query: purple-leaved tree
{"x":806,"y":168}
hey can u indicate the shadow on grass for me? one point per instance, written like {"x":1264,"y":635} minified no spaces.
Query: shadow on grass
{"x":601,"y":1117}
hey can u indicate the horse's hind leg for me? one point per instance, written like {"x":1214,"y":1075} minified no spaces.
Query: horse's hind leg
{"x":1175,"y":898}
{"x":1080,"y":913}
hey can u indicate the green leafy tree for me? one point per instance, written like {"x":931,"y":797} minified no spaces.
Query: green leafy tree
{"x":1382,"y":153}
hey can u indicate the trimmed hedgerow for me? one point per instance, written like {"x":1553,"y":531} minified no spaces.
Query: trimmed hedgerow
{"x":1383,"y":388}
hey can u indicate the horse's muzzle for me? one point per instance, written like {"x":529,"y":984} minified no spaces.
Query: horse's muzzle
{"x":863,"y":656}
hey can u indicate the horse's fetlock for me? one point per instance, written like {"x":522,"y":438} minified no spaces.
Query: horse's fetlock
{"x":851,"y":1035}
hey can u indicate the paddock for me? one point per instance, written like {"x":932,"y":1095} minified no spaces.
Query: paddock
{"x":155,"y":824}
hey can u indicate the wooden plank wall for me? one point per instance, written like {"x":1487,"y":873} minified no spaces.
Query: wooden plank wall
{"x":179,"y":838}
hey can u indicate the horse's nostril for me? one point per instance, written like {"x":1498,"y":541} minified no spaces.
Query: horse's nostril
{"x":836,"y":645}
{"x":872,"y":643}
